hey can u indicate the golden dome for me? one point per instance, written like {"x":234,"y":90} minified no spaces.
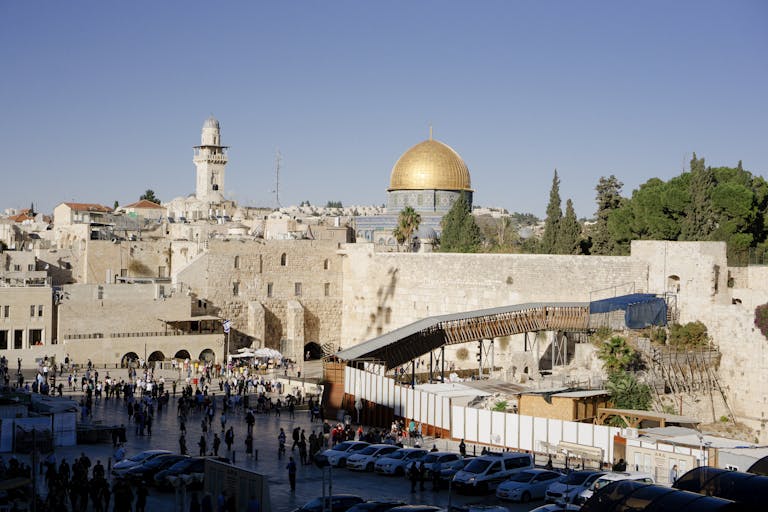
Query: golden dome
{"x":430,"y":165}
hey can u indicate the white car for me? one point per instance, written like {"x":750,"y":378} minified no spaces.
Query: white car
{"x":396,"y":462}
{"x":614,"y":476}
{"x":366,"y":458}
{"x":566,"y":490}
{"x":447,"y":460}
{"x":338,"y":455}
{"x":140,"y":458}
{"x":527,"y":485}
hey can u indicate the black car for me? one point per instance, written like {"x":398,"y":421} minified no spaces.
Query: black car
{"x":416,"y":508}
{"x":187,"y":466}
{"x":375,"y":506}
{"x":338,"y":503}
{"x":147,"y":471}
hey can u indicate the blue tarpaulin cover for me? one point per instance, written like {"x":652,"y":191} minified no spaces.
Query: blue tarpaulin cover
{"x":640,"y":309}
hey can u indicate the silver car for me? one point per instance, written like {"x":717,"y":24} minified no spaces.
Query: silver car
{"x":366,"y":458}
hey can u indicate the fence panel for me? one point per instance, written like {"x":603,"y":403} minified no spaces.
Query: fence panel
{"x":484,"y":426}
{"x":526,"y":432}
{"x":457,"y":422}
{"x":470,"y":424}
{"x":602,"y":438}
{"x":570,"y":432}
{"x":409,"y":405}
{"x":447,"y":420}
{"x":512,"y":437}
{"x":348,"y":382}
{"x":431,"y":399}
{"x":424,"y":409}
{"x":554,"y":432}
{"x":586,"y":433}
{"x":540,"y":432}
{"x":497,"y":428}
{"x":439,"y":411}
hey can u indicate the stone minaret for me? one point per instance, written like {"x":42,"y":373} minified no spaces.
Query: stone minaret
{"x":210,"y":160}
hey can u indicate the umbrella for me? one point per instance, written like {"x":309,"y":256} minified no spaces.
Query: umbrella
{"x":267,"y":353}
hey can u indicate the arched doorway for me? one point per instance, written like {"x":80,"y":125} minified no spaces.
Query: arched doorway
{"x":182,"y":354}
{"x":673,"y":284}
{"x":312,"y":351}
{"x":207,"y":356}
{"x":129,"y":360}
{"x":156,"y":356}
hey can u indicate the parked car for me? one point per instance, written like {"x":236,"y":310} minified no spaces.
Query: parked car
{"x":483,"y":474}
{"x":416,"y":508}
{"x":395,"y":463}
{"x":141,"y":457}
{"x":447,"y":460}
{"x":557,"y":507}
{"x":187,"y":466}
{"x":366,"y":458}
{"x":447,"y":474}
{"x":527,"y":485}
{"x":566,"y":490}
{"x":335,"y":503}
{"x":613,"y":476}
{"x":375,"y":506}
{"x":338,"y":455}
{"x":146,"y":472}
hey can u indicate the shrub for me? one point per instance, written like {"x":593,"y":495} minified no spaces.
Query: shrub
{"x":692,"y":334}
{"x":500,"y":406}
{"x":617,"y":355}
{"x":761,"y":319}
{"x":600,"y":335}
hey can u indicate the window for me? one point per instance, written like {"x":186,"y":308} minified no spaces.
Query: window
{"x":237,"y":261}
{"x":236,"y":288}
{"x":269,"y":289}
{"x":123,"y":272}
{"x":17,"y":268}
{"x":31,"y":267}
{"x":3,"y":340}
{"x":6,"y":311}
{"x":161,"y":272}
{"x":297,"y":289}
{"x":40,"y":310}
{"x":18,"y":335}
{"x":326,"y":265}
{"x":283,"y":258}
{"x":100,"y":293}
{"x":35,"y":337}
{"x":32,"y":310}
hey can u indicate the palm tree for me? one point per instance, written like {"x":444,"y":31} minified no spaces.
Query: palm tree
{"x":407,"y":223}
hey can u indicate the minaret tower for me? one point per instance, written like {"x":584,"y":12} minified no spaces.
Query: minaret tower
{"x":210,"y":160}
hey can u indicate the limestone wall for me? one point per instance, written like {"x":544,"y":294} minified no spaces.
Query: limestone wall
{"x":383,"y":291}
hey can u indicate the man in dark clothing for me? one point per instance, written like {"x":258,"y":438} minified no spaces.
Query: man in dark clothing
{"x":295,"y":435}
{"x":291,"y":467}
{"x":413,"y":473}
{"x":216,"y":444}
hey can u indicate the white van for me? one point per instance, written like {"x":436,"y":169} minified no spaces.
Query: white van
{"x":608,"y":478}
{"x":485,"y":473}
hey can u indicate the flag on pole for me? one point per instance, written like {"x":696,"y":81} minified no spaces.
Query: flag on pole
{"x":226,"y":324}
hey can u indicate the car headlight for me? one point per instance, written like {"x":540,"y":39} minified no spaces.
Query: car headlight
{"x":471,"y":480}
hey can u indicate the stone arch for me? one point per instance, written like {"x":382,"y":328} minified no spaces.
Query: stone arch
{"x":673,"y":283}
{"x":283,"y":259}
{"x":131,"y":359}
{"x":207,"y":355}
{"x":156,"y":356}
{"x":182,"y":354}
{"x":314,"y":350}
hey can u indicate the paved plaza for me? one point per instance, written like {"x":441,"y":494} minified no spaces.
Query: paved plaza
{"x":165,"y":435}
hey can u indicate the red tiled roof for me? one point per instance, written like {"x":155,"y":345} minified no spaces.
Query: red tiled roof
{"x":21,"y":217}
{"x":144,"y":204}
{"x":88,"y":207}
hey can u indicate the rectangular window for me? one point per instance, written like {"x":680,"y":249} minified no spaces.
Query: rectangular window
{"x":31,"y":267}
{"x":123,"y":272}
{"x":18,"y":335}
{"x":297,"y":289}
{"x":327,"y":289}
{"x":35,"y":337}
{"x":32,"y":310}
{"x":17,"y":268}
{"x":40,"y":310}
{"x":3,"y":340}
{"x":161,"y":272}
{"x":236,"y":288}
{"x":100,"y":293}
{"x":269,"y":289}
{"x":6,"y":311}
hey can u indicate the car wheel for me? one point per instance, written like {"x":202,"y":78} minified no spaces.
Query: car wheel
{"x":369,"y":467}
{"x":342,"y":463}
{"x":526,"y":497}
{"x":399,"y":471}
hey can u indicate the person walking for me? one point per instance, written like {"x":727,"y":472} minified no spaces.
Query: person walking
{"x":281,"y":442}
{"x":229,"y":438}
{"x":436,"y":469}
{"x":291,"y":467}
{"x":216,"y":444}
{"x":141,"y":498}
{"x":182,"y":445}
{"x":673,"y":474}
{"x":249,"y":445}
{"x":422,"y":475}
{"x":463,"y":448}
{"x":413,"y":473}
{"x":202,"y":444}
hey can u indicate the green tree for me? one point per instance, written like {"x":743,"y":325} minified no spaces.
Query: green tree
{"x":460,"y":231}
{"x":552,"y":222}
{"x":618,"y":355}
{"x":608,"y":199}
{"x":407,"y":224}
{"x":116,"y":205}
{"x":569,"y":232}
{"x":699,"y":219}
{"x":628,"y":393}
{"x":149,"y":195}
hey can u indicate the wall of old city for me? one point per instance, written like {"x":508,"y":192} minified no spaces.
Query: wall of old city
{"x":251,"y":281}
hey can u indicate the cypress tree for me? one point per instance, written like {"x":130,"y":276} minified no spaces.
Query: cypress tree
{"x":608,"y":199}
{"x":569,"y":232}
{"x":460,"y":231}
{"x":699,"y":221}
{"x":552,"y":222}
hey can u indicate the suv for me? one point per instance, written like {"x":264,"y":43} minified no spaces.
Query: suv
{"x":485,"y":473}
{"x":571,"y":486}
{"x":608,"y":478}
{"x":335,"y":503}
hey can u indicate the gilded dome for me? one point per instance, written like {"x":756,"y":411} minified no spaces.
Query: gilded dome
{"x":430,"y":165}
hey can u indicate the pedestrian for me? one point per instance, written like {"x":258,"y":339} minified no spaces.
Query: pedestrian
{"x":216,"y":444}
{"x":436,"y":469}
{"x":463,"y":448}
{"x":182,"y":445}
{"x":141,"y":498}
{"x":202,"y":444}
{"x":291,"y":467}
{"x":229,"y":438}
{"x":413,"y":473}
{"x":249,"y":445}
{"x":422,"y":474}
{"x":673,"y":474}
{"x":281,"y":442}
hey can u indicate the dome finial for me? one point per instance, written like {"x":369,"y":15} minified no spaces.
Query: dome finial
{"x":430,"y":131}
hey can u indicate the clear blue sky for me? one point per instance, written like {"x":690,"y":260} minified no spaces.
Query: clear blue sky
{"x":103,"y":100}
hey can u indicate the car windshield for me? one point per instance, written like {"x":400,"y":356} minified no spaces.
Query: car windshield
{"x":140,"y":456}
{"x":370,"y":450}
{"x":576,"y":478}
{"x":600,"y":482}
{"x":341,"y":447}
{"x":415,"y":455}
{"x":477,"y":466}
{"x":398,"y":454}
{"x":429,"y":458}
{"x":523,"y":476}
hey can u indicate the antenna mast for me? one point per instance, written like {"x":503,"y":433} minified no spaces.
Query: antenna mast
{"x":278,"y":162}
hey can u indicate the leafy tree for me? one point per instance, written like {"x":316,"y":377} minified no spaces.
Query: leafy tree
{"x":149,"y":195}
{"x":692,"y":334}
{"x":628,"y":393}
{"x":407,"y":223}
{"x":460,"y":231}
{"x":618,"y":355}
{"x":569,"y":232}
{"x":554,"y":215}
{"x":699,"y":220}
{"x":608,"y":199}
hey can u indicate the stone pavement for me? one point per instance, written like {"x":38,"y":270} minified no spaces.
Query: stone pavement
{"x":165,"y":434}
